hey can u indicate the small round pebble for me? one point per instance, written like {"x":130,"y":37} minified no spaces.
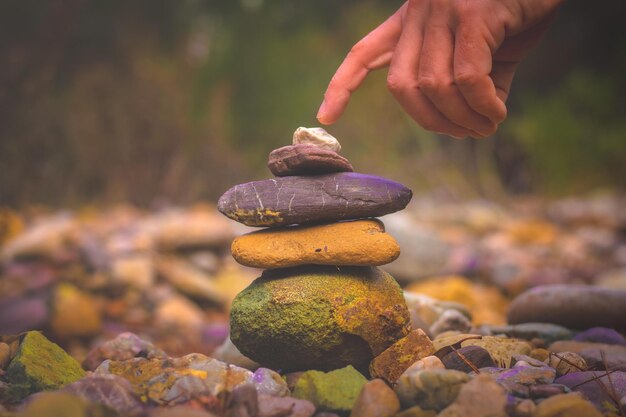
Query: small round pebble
{"x":566,"y":362}
{"x":376,"y":399}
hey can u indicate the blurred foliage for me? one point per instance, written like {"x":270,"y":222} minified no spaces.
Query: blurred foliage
{"x":163,"y":100}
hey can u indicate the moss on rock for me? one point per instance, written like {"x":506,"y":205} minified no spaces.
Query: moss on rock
{"x":318,"y":317}
{"x":40,"y":365}
{"x":333,"y":391}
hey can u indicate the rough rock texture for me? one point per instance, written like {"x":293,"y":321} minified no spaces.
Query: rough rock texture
{"x":333,"y":391}
{"x":297,"y":200}
{"x":361,"y":242}
{"x":109,"y":390}
{"x":40,"y":364}
{"x":430,"y":389}
{"x":596,"y":386}
{"x":573,"y":306}
{"x":392,"y":362}
{"x":500,"y":349}
{"x":318,"y":317}
{"x":316,"y":136}
{"x":475,"y":355}
{"x":306,"y":160}
{"x":376,"y":400}
{"x":596,"y":355}
{"x":570,"y":405}
{"x":479,"y":397}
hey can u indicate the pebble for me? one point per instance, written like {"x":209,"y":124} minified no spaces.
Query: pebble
{"x":228,"y":352}
{"x":176,"y":380}
{"x":450,"y":320}
{"x":417,"y":411}
{"x":316,"y":136}
{"x":425,"y":310}
{"x":545,"y":331}
{"x":492,"y":399}
{"x":566,"y":362}
{"x":189,"y":279}
{"x":5,"y":355}
{"x":361,"y":242}
{"x":109,"y":390}
{"x":570,"y":405}
{"x":595,"y":386}
{"x":518,"y":380}
{"x":325,"y":317}
{"x":486,"y":304}
{"x":475,"y":355}
{"x":394,"y":360}
{"x":40,"y":365}
{"x":19,"y":315}
{"x":547,"y":390}
{"x":303,"y":159}
{"x":296,"y":200}
{"x":272,"y":406}
{"x":75,"y":313}
{"x":337,"y":390}
{"x":52,"y":404}
{"x":376,"y":399}
{"x":179,"y":311}
{"x":136,"y":271}
{"x":124,"y":346}
{"x":596,"y":355}
{"x":601,"y":335}
{"x":500,"y":349}
{"x":430,"y":389}
{"x":572,"y":306}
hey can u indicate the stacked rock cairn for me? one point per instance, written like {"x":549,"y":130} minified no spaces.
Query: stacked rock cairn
{"x":321,"y":302}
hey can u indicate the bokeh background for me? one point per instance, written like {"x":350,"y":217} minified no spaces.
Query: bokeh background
{"x":158,"y":102}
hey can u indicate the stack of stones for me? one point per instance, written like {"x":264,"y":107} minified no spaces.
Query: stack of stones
{"x":321,"y":302}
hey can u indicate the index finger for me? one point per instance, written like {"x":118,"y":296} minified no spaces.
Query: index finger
{"x":372,"y":52}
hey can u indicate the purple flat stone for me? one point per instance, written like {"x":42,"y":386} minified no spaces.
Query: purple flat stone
{"x":306,"y":160}
{"x":297,"y":200}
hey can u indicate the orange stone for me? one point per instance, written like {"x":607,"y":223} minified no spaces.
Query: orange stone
{"x":393,"y":361}
{"x":358,"y":243}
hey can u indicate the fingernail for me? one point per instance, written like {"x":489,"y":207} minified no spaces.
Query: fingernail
{"x":321,"y":113}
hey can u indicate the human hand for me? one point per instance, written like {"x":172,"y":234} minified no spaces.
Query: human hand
{"x":451,"y":62}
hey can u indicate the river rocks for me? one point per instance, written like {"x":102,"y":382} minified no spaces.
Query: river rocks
{"x":333,"y":391}
{"x":596,"y":355}
{"x":75,"y":313}
{"x":176,"y":380}
{"x":481,"y":396}
{"x":316,"y":136}
{"x":39,"y":364}
{"x":296,"y":200}
{"x":519,"y":379}
{"x":545,"y":331}
{"x":108,"y":390}
{"x":601,"y":335}
{"x":393,"y":361}
{"x":573,"y":306}
{"x":306,"y":160}
{"x":430,"y":389}
{"x":570,"y":405}
{"x":361,"y":242}
{"x":468,"y":359}
{"x":124,"y":346}
{"x":567,"y":362}
{"x":376,"y":399}
{"x":598,"y":387}
{"x":500,"y":349}
{"x":324,"y":317}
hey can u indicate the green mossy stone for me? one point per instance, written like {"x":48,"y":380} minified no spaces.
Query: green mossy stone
{"x":337,"y":390}
{"x":40,"y":365}
{"x":318,"y":317}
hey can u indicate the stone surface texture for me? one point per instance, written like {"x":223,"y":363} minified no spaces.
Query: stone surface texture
{"x":361,"y":242}
{"x":316,"y":136}
{"x":376,"y":399}
{"x":572,"y":306}
{"x":318,"y":317}
{"x":394,"y":360}
{"x":306,"y":160}
{"x":430,"y":389}
{"x":297,"y":200}
{"x":479,"y":397}
{"x":337,"y":390}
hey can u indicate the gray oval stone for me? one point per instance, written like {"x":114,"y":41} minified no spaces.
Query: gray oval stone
{"x":573,"y":306}
{"x":297,"y":200}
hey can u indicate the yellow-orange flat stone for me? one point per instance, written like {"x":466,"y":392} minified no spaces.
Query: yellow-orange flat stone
{"x":360,"y":242}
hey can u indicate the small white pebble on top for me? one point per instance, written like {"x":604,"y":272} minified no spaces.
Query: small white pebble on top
{"x":316,"y":136}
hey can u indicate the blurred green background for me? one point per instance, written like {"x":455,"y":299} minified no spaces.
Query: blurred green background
{"x":154,"y":101}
